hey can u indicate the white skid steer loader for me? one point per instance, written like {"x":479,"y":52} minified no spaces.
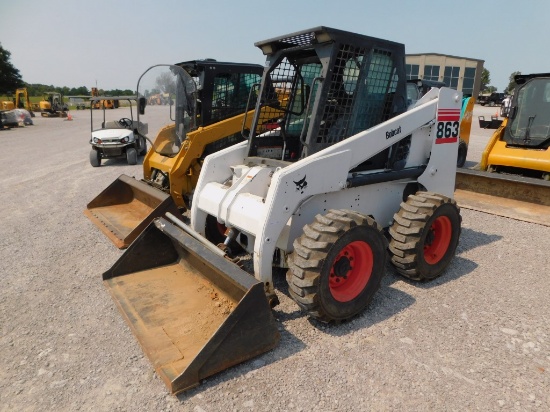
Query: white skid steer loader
{"x":347,"y":178}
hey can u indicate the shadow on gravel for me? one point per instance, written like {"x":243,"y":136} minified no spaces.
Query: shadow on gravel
{"x":119,"y":162}
{"x":387,"y":302}
{"x":470,"y":239}
{"x":459,"y":267}
{"x":288,"y":345}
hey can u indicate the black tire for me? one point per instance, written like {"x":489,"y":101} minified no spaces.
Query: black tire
{"x":462,"y":153}
{"x":95,"y":158}
{"x":143,"y":146}
{"x":131,"y":156}
{"x":424,"y":235}
{"x":337,"y":265}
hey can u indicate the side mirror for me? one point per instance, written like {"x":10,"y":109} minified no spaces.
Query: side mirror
{"x":142,"y":103}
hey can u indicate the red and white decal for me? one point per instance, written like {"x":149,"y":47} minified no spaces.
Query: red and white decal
{"x":448,"y":126}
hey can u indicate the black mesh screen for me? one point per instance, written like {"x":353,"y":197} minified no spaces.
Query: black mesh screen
{"x":359,"y":97}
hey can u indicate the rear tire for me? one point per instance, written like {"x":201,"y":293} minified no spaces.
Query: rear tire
{"x":131,"y":156}
{"x":95,"y":158}
{"x":462,"y":153}
{"x":143,"y":146}
{"x":424,"y":235}
{"x":337,"y":265}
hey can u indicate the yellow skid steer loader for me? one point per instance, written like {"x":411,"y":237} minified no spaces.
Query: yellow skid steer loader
{"x":218,"y":95}
{"x":512,"y":178}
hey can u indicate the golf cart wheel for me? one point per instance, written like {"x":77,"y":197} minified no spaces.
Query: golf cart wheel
{"x":143,"y":146}
{"x":337,"y":265}
{"x":462,"y":153}
{"x":95,"y":158}
{"x":424,"y":235}
{"x":131,"y":156}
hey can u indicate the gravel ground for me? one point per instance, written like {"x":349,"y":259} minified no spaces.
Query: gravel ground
{"x":474,"y":339}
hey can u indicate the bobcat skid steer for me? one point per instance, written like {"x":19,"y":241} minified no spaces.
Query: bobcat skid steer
{"x":347,"y":167}
{"x":214,"y":103}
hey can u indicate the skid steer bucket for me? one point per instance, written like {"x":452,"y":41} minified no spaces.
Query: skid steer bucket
{"x":515,"y":197}
{"x":125,"y":208}
{"x":193,"y":312}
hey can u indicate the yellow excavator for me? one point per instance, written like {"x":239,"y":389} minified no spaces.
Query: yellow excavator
{"x":171,"y":166}
{"x":22,"y":101}
{"x":105,"y":103}
{"x":512,"y":177}
{"x":52,"y":105}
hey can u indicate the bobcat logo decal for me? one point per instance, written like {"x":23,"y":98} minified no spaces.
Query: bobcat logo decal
{"x":301,"y":185}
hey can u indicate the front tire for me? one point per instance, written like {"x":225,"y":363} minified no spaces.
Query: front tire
{"x":424,"y":235}
{"x":95,"y":158}
{"x":131,"y":156}
{"x":337,"y":265}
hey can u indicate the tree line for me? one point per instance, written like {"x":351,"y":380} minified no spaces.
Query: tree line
{"x":40,"y":89}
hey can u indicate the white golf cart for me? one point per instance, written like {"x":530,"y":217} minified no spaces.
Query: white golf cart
{"x":118,"y":138}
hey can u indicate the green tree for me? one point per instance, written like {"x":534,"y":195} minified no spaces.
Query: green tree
{"x":10,"y":78}
{"x":512,"y":83}
{"x":485,"y":80}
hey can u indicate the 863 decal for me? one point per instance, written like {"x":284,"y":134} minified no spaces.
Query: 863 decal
{"x":448,"y":126}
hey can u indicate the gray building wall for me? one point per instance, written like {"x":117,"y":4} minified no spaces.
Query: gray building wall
{"x":460,"y":73}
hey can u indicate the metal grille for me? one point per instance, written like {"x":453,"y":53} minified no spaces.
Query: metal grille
{"x":299,"y":39}
{"x":230,"y":94}
{"x":284,"y":78}
{"x":359,"y":97}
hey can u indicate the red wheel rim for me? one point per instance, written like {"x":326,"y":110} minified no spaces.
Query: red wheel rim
{"x":438,"y":240}
{"x":350,"y":271}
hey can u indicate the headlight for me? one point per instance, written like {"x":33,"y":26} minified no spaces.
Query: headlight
{"x":124,"y":139}
{"x":96,"y":140}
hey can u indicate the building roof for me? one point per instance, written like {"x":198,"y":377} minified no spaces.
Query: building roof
{"x":444,"y":55}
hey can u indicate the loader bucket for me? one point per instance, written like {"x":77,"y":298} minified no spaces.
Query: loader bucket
{"x":125,"y":208}
{"x":193,"y":312}
{"x":515,"y":197}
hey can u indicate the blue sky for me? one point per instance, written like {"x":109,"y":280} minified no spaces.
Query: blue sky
{"x":78,"y":43}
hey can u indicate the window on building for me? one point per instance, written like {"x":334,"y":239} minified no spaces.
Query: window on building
{"x":468,"y":81}
{"x":451,"y":75}
{"x":431,"y":73}
{"x":411,"y":71}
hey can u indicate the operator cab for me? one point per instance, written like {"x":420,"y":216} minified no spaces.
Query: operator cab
{"x":329,"y":85}
{"x":529,"y":116}
{"x":197,"y":93}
